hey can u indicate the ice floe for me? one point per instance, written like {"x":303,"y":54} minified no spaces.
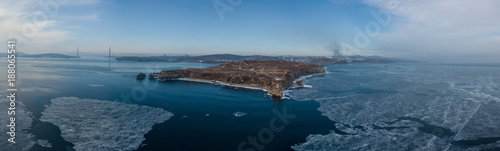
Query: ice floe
{"x":38,"y":89}
{"x":102,"y":125}
{"x":447,"y":106}
{"x":44,"y":143}
{"x":239,"y":114}
{"x":24,"y":140}
{"x":396,"y":139}
{"x":96,"y":85}
{"x":485,"y":123}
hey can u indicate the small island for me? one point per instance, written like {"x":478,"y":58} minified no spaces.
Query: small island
{"x":270,"y":75}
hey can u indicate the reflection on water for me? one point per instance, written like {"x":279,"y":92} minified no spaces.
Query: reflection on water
{"x":277,"y":101}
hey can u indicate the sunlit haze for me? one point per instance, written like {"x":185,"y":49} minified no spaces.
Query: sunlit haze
{"x":426,"y":30}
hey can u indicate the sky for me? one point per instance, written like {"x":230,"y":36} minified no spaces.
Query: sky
{"x":448,"y":31}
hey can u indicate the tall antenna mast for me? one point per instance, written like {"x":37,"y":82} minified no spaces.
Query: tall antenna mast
{"x":109,"y":52}
{"x":77,"y":53}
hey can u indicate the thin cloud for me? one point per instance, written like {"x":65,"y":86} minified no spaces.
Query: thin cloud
{"x":36,"y":32}
{"x":91,"y":17}
{"x":442,"y":31}
{"x":34,"y":29}
{"x":78,"y":2}
{"x":88,"y":17}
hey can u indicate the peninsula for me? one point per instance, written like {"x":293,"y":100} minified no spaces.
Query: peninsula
{"x":271,"y":75}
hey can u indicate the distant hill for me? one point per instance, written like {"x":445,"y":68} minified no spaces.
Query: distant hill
{"x":216,"y":58}
{"x":44,"y":55}
{"x":224,"y":58}
{"x":227,"y":58}
{"x":47,"y":55}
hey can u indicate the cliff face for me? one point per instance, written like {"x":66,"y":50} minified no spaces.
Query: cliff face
{"x":274,"y":76}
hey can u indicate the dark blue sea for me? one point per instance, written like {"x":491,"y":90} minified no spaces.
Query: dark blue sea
{"x":400,"y":106}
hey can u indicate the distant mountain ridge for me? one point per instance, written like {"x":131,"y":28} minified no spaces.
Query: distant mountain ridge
{"x":215,"y":58}
{"x":218,"y":58}
{"x":227,"y":58}
{"x":43,"y":55}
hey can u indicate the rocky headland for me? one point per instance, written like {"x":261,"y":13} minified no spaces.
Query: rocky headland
{"x":271,"y":75}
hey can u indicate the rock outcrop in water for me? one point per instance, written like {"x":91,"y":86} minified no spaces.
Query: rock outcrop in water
{"x":300,"y":83}
{"x":140,"y":76}
{"x":273,"y":76}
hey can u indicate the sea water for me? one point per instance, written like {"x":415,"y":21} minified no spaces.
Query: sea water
{"x":415,"y":106}
{"x":206,"y":116}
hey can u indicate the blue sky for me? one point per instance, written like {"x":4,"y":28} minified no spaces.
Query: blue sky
{"x":426,"y":30}
{"x":194,"y":27}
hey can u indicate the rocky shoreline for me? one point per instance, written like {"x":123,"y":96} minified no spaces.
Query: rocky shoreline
{"x":270,"y":75}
